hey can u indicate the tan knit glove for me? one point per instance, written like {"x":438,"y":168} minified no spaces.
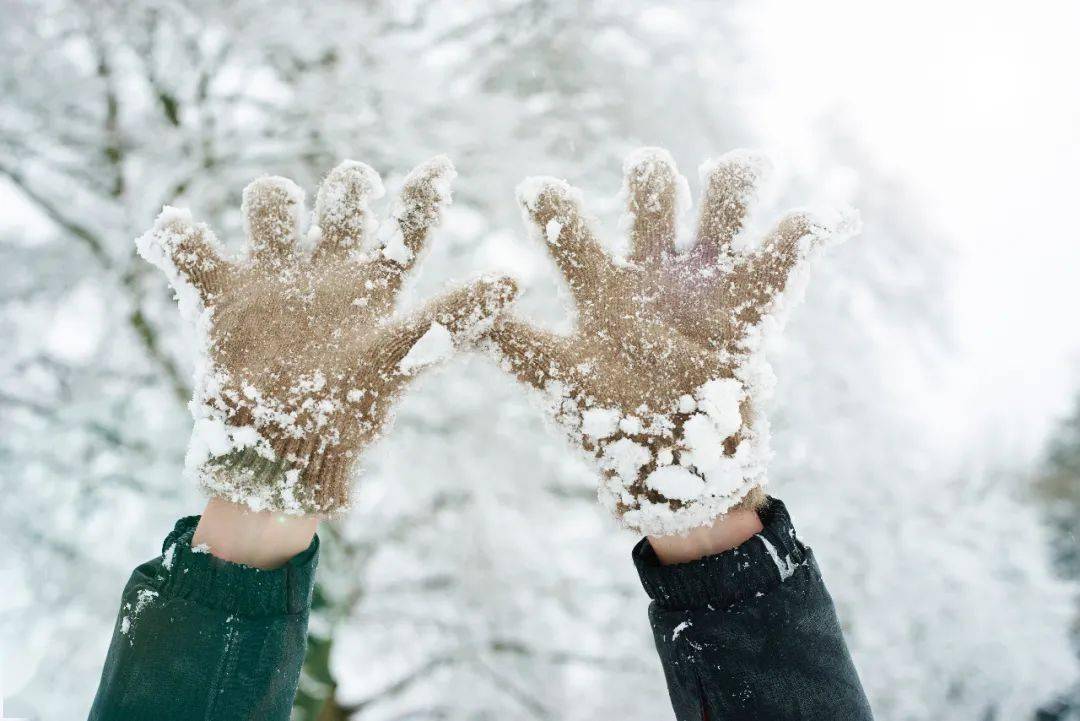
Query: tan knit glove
{"x":663,"y":379}
{"x":302,"y":358}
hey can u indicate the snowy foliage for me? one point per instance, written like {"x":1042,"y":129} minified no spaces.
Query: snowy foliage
{"x":476,"y":535}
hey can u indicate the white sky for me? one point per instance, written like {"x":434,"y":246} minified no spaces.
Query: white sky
{"x":976,"y":104}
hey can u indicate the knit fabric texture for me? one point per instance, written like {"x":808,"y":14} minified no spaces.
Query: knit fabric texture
{"x":663,"y":379}
{"x":302,"y":356}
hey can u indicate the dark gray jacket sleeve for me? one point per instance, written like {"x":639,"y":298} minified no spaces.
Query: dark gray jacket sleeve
{"x":751,"y":633}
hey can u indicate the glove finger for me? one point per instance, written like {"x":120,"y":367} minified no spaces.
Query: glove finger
{"x":764,"y":276}
{"x":553,"y":207}
{"x":342,"y":209}
{"x":730,"y":187}
{"x":535,"y":356}
{"x":187,"y":252}
{"x":652,"y":183}
{"x":273,"y":207}
{"x":418,"y":208}
{"x":431,"y":334}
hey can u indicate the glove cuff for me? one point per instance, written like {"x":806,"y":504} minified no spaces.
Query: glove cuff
{"x":297,"y":480}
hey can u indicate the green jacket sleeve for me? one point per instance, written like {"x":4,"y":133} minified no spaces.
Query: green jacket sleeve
{"x":201,"y":638}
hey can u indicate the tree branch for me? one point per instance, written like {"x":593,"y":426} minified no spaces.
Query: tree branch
{"x":87,"y":236}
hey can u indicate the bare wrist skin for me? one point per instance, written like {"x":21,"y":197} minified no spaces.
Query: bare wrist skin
{"x":726,"y":532}
{"x":262,"y":539}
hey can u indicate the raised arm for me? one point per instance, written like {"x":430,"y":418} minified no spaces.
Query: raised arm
{"x":301,"y":359}
{"x":663,"y":384}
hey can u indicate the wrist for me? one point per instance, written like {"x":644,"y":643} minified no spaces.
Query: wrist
{"x":725,"y":533}
{"x":260,"y":539}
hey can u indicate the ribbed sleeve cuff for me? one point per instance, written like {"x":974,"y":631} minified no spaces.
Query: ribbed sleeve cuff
{"x":231,"y":587}
{"x":758,"y":565}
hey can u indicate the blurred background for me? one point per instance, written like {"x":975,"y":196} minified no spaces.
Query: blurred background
{"x":926,"y":425}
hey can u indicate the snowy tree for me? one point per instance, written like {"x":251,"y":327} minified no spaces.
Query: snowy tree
{"x":952,"y":556}
{"x":1057,"y":490}
{"x":476,"y":577}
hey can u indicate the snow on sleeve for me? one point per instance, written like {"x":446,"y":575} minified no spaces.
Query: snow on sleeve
{"x":679,"y":629}
{"x":167,"y":557}
{"x":143,"y":598}
{"x":784,"y":566}
{"x":433,"y":346}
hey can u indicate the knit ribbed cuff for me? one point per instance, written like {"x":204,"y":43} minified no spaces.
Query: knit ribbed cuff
{"x":297,"y":480}
{"x":234,"y":588}
{"x":757,"y":566}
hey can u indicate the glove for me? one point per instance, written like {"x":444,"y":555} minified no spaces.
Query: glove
{"x":301,"y":357}
{"x":663,"y":379}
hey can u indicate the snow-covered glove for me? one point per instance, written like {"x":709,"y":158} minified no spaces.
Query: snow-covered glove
{"x":663,"y":380}
{"x":302,"y":358}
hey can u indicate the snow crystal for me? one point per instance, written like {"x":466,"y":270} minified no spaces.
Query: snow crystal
{"x":245,"y":436}
{"x":435,"y":345}
{"x":552,"y":231}
{"x":211,"y":438}
{"x":725,"y":476}
{"x":704,"y":441}
{"x":600,"y":422}
{"x":687,"y":404}
{"x":675,"y":482}
{"x":720,"y":400}
{"x":679,"y":629}
{"x":625,"y":457}
{"x":394,"y":247}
